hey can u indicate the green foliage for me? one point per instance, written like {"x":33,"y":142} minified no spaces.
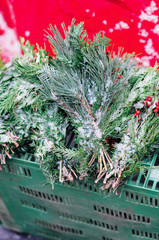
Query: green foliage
{"x":93,"y":90}
{"x":1,"y":62}
{"x":27,"y":119}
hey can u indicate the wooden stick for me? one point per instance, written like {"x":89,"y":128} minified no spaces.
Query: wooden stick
{"x":116,"y":165}
{"x":108,"y":159}
{"x":106,"y":186}
{"x":91,"y":161}
{"x":60,"y":174}
{"x":116,"y":183}
{"x":103,"y":159}
{"x":73,"y":171}
{"x":84,"y":174}
{"x":8,"y":155}
{"x":34,"y":131}
{"x":107,"y":155}
{"x":98,"y":178}
{"x":100,"y":173}
{"x":14,"y":141}
{"x":5,"y":145}
{"x":100,"y":162}
{"x":11,"y":149}
{"x":108,"y":175}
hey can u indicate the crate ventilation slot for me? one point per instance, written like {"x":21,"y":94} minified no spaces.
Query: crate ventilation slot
{"x":58,"y":228}
{"x":89,"y":221}
{"x":141,"y":199}
{"x":123,"y":215}
{"x":84,"y":186}
{"x":14,"y":169}
{"x":106,"y":238}
{"x":143,"y":234}
{"x":44,"y":196}
{"x":33,"y":205}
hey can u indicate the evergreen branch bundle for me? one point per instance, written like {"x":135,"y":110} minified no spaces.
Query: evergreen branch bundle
{"x":100,"y":96}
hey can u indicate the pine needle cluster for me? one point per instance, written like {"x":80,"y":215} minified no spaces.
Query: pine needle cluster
{"x":89,"y":89}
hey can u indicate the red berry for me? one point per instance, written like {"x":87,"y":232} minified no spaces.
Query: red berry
{"x":146,"y":99}
{"x":157,"y":106}
{"x":135,"y":114}
{"x":156,"y":110}
{"x":148,"y":104}
{"x":144,"y":103}
{"x":157,"y":103}
{"x":157,"y":114}
{"x":149,"y":99}
{"x":119,"y":76}
{"x":116,"y":69}
{"x":138,"y":112}
{"x":139,"y":118}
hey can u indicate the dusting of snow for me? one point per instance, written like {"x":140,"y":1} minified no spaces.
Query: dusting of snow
{"x":150,"y":18}
{"x":98,"y":133}
{"x":142,"y":41}
{"x":38,"y":58}
{"x":145,"y":60}
{"x":147,"y":14}
{"x":121,"y":25}
{"x":111,"y":30}
{"x":101,"y":64}
{"x":139,"y":105}
{"x":104,"y":22}
{"x":27,"y":33}
{"x":8,"y":40}
{"x":143,"y":33}
{"x":156,"y":29}
{"x":93,"y":14}
{"x":149,"y":49}
{"x":139,"y":25}
{"x":124,"y":119}
{"x":152,"y":8}
{"x":118,"y":129}
{"x":146,"y":81}
{"x":87,"y":10}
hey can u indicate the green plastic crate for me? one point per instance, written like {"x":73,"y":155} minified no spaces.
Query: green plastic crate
{"x":78,"y":210}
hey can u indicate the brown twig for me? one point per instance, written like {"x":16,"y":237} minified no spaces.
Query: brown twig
{"x":116,"y":183}
{"x":64,"y":105}
{"x":91,"y":161}
{"x":35,"y":131}
{"x":100,"y":176}
{"x":103,"y":159}
{"x":108,"y":158}
{"x":106,"y":186}
{"x":5,"y":145}
{"x":60,"y":173}
{"x":73,"y":171}
{"x":108,"y":175}
{"x":116,"y":165}
{"x":67,"y":174}
{"x":100,"y":162}
{"x":11,"y":150}
{"x":84,"y":174}
{"x":14,"y":141}
{"x":8,"y":155}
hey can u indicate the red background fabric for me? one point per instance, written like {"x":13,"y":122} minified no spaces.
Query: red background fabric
{"x":133,"y":25}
